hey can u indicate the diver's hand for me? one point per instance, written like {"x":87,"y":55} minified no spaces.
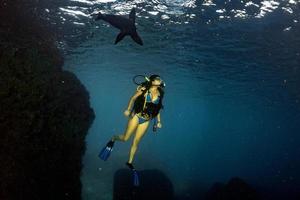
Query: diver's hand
{"x":159,"y":125}
{"x":126,"y":113}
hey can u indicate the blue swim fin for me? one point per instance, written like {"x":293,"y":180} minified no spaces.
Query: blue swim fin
{"x":105,"y":152}
{"x":136,"y":181}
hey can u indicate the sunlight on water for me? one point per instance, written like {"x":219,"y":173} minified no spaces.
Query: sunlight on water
{"x":177,"y":8}
{"x":76,"y":19}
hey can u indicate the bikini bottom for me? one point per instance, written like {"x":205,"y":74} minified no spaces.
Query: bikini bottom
{"x":141,"y":119}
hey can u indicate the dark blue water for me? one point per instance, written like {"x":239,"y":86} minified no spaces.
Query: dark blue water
{"x":232,"y":100}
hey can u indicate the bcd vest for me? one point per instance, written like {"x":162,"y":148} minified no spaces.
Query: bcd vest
{"x":146,"y":108}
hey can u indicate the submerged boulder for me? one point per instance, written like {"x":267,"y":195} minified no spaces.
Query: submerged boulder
{"x":154,"y":184}
{"x":235,"y":189}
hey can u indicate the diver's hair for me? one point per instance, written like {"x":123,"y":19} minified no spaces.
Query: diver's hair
{"x":153,"y":76}
{"x":147,"y":84}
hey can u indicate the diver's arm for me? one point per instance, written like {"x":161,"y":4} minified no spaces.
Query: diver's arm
{"x":159,"y":125}
{"x":130,"y":103}
{"x":132,"y":99}
{"x":158,"y":118}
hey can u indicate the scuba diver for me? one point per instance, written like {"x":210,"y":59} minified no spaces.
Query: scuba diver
{"x":147,"y":102}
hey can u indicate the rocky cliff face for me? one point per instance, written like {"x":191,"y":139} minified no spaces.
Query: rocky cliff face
{"x":44,"y":112}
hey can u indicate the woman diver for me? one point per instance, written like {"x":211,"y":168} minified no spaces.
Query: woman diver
{"x":147,"y":102}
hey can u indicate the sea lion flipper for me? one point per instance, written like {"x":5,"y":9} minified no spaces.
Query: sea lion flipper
{"x":132,"y":14}
{"x":137,"y":38}
{"x":120,"y":36}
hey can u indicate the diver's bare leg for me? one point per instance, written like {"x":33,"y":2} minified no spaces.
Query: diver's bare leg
{"x":140,"y":132}
{"x":131,"y":126}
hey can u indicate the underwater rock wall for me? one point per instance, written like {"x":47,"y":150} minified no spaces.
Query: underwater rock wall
{"x":235,"y":189}
{"x":44,"y":111}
